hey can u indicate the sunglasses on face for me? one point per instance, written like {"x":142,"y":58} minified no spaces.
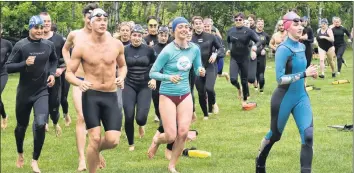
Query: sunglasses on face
{"x":295,"y":20}
{"x":100,"y":14}
{"x":238,"y":20}
{"x":153,"y":25}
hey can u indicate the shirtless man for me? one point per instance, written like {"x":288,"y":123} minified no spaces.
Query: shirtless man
{"x":99,"y":57}
{"x":79,"y":37}
{"x":277,"y":37}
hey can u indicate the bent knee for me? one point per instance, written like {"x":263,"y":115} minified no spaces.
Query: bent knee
{"x":308,"y":136}
{"x":95,"y":140}
{"x":170,"y":138}
{"x":233,"y":81}
{"x":40,"y":120}
{"x":112,"y":141}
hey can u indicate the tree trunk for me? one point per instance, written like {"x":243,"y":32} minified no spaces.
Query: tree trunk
{"x":139,"y":11}
{"x":157,"y":11}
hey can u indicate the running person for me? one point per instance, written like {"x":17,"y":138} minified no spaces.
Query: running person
{"x":123,"y":33}
{"x":205,"y":85}
{"x":290,"y":96}
{"x":307,"y":39}
{"x":176,"y":103}
{"x":278,"y":37}
{"x":252,"y":21}
{"x":339,"y":43}
{"x":55,"y":91}
{"x":153,"y":25}
{"x":79,"y":37}
{"x":325,"y":41}
{"x":261,"y":53}
{"x":220,"y":59}
{"x":163,"y":37}
{"x":239,"y":38}
{"x":99,"y":57}
{"x":6,"y":48}
{"x":36,"y":60}
{"x":137,"y":93}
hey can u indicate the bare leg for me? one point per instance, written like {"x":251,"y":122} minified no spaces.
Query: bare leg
{"x":184,"y":118}
{"x":331,"y":56}
{"x":109,"y":141}
{"x":80,"y":128}
{"x":322,"y":55}
{"x":93,"y":149}
{"x":154,"y":146}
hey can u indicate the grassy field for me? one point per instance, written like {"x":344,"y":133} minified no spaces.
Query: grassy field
{"x":233,"y":136}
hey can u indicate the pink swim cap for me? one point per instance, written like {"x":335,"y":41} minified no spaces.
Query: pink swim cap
{"x":288,"y":19}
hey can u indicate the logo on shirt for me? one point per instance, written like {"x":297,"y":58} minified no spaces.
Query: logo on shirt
{"x":184,"y":63}
{"x":200,"y":40}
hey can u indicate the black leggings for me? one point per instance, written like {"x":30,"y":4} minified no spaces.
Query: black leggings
{"x":339,"y":49}
{"x":205,"y":86}
{"x":65,"y":86}
{"x":24,"y":106}
{"x":235,"y":67}
{"x":261,"y":64}
{"x":54,"y":100}
{"x":3,"y":81}
{"x":156,"y":99}
{"x":308,"y":53}
{"x":192,"y":79}
{"x":252,"y":70}
{"x":139,"y":96}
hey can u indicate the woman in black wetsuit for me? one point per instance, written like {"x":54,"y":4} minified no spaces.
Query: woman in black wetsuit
{"x":137,"y":93}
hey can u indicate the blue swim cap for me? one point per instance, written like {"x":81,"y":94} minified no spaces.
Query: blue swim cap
{"x":178,"y":20}
{"x":35,"y":20}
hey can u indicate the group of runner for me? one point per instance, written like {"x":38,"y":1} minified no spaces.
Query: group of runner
{"x":124,"y":72}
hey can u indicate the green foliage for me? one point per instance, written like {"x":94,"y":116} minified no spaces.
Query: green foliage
{"x":67,"y":15}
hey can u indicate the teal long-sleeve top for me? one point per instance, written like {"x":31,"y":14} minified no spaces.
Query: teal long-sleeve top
{"x":175,"y":61}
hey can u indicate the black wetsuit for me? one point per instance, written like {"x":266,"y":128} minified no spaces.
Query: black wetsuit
{"x":6,"y":48}
{"x":155,"y":93}
{"x":308,"y":43}
{"x":126,"y":43}
{"x":339,"y":44}
{"x":239,"y":39}
{"x":205,"y":85}
{"x":136,"y":93}
{"x":32,"y":90}
{"x":324,"y":44}
{"x":55,"y":92}
{"x":264,"y":38}
{"x":150,"y":38}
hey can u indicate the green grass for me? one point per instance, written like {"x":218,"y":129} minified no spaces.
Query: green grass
{"x":233,"y":136}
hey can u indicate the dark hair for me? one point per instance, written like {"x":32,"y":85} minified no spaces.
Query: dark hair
{"x":152,"y":17}
{"x":44,"y":13}
{"x":252,"y":16}
{"x":239,"y":14}
{"x":89,"y":7}
{"x":54,"y":27}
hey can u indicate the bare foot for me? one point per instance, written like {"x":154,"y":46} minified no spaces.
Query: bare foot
{"x":168,"y":154}
{"x":20,"y":161}
{"x":67,"y":120}
{"x":57,"y":130}
{"x":227,"y":76}
{"x":194,"y":117}
{"x":206,"y":118}
{"x":35,"y":167}
{"x":102,"y":162}
{"x":239,"y":94}
{"x":131,"y":148}
{"x":46,"y":128}
{"x":4,"y":122}
{"x":172,"y":170}
{"x":153,"y":148}
{"x":215,"y":109}
{"x":82,"y":165}
{"x":141,"y":131}
{"x":192,"y":135}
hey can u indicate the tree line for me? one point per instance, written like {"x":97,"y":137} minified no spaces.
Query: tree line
{"x":68,"y":16}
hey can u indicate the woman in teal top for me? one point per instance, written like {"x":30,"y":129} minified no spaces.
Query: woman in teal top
{"x":176,"y":60}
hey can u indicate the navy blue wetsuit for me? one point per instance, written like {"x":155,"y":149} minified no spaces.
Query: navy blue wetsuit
{"x":6,"y":48}
{"x":32,"y":90}
{"x":290,"y":97}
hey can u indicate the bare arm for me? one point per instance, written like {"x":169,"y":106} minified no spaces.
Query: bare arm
{"x":66,"y":48}
{"x":330,"y":34}
{"x":73,"y":66}
{"x":272,"y":43}
{"x":122,"y":66}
